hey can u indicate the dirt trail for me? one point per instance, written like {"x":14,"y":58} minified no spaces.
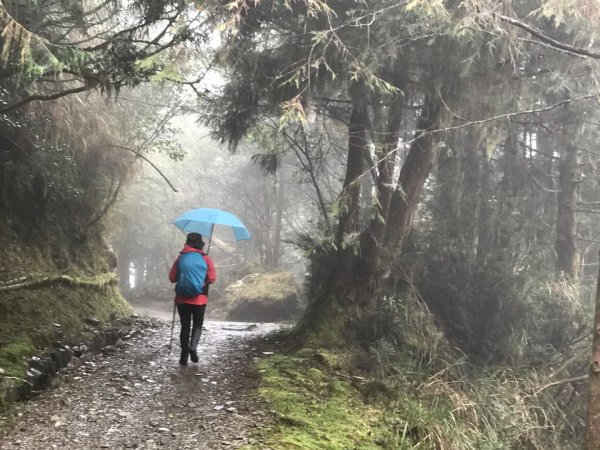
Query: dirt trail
{"x":137,"y":396}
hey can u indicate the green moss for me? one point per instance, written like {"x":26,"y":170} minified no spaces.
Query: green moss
{"x":14,"y":356}
{"x":31,"y":321}
{"x":268,"y":286}
{"x":315,"y":410}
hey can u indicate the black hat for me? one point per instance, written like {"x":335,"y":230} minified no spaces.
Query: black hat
{"x":195,"y":240}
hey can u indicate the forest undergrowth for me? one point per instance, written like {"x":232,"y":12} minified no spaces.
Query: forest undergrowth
{"x":56,"y":310}
{"x":414,"y":389}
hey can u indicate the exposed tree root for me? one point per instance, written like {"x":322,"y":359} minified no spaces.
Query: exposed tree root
{"x":98,"y":282}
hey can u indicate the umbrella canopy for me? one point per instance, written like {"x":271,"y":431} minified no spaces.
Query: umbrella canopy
{"x":203,"y":220}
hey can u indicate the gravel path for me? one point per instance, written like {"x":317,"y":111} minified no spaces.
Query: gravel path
{"x":136,"y":395}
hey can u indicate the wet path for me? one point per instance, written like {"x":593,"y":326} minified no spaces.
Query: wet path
{"x":137,"y":396}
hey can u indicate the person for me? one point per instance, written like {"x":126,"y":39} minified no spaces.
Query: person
{"x":193,"y":271}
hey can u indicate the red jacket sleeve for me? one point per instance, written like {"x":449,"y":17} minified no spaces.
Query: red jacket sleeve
{"x":211,"y":274}
{"x":173,"y":272}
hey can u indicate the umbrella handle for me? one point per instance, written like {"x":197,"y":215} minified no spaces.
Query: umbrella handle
{"x":212,"y":227}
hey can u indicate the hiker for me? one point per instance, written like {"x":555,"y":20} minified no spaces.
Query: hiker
{"x":193,"y":271}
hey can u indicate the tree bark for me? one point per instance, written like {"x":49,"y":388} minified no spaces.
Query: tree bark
{"x":368,"y":272}
{"x":471,"y":192}
{"x":511,"y":190}
{"x":484,"y":220}
{"x":276,"y":263}
{"x":567,"y":256}
{"x":413,"y":175}
{"x":592,"y":438}
{"x":358,"y":132}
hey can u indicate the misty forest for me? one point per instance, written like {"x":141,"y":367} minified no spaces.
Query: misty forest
{"x":420,"y":184}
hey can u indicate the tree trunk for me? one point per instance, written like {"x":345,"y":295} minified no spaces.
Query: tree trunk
{"x":368,"y":274}
{"x":567,"y":256}
{"x":276,"y":262}
{"x":413,"y":174}
{"x":471,"y":192}
{"x":592,"y":439}
{"x":358,"y":131}
{"x":484,"y":221}
{"x":511,"y":189}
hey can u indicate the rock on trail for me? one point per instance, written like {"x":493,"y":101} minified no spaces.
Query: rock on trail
{"x":137,"y":396}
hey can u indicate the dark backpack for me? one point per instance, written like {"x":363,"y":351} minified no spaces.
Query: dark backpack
{"x":191,"y":273}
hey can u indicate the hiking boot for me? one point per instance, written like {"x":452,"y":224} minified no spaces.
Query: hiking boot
{"x":196,"y":333}
{"x":184,"y":359}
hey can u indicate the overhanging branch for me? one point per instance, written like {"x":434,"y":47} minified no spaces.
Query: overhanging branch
{"x":149,"y":162}
{"x":547,"y":39}
{"x":40,"y":97}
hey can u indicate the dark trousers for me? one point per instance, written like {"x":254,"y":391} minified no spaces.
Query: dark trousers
{"x":187,"y":314}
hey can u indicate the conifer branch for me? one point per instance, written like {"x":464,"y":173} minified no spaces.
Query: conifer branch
{"x":40,"y":97}
{"x":547,"y":39}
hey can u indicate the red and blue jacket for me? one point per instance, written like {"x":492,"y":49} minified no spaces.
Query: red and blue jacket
{"x":211,"y":277}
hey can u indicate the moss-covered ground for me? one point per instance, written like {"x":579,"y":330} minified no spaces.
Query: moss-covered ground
{"x":31,"y":321}
{"x":319,"y":404}
{"x":315,"y":408}
{"x":39,"y":317}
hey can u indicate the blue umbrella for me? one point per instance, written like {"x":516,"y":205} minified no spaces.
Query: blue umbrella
{"x":203,"y":221}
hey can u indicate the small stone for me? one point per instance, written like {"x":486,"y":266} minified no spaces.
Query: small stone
{"x":33,"y":373}
{"x":74,"y":364}
{"x":164,"y":430}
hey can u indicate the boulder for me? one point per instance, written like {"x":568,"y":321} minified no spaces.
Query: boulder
{"x":263,"y":297}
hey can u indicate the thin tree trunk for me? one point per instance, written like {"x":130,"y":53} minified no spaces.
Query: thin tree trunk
{"x":471,"y":191}
{"x":484,"y":221}
{"x":592,"y":438}
{"x":278,"y":223}
{"x":567,"y":256}
{"x":358,"y":132}
{"x":511,"y":189}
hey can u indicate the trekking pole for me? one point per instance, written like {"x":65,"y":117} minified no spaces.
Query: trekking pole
{"x":172,"y":327}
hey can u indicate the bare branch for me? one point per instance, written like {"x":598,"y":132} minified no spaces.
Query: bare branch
{"x":149,"y":162}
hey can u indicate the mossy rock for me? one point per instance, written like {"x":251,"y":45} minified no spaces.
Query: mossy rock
{"x":263,"y":297}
